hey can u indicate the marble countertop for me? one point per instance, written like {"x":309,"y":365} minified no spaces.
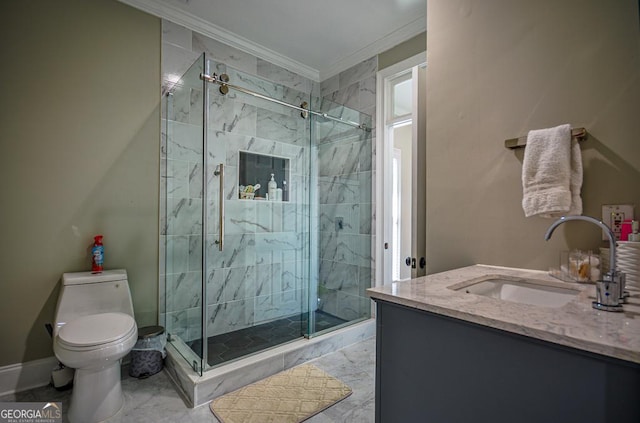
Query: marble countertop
{"x":576,"y":324}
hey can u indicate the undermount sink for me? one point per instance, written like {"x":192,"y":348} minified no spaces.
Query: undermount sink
{"x":524,"y":291}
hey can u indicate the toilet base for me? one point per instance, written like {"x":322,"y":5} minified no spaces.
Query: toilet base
{"x":97,"y":394}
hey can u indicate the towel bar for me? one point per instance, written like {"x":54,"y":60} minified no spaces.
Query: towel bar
{"x":579,"y":133}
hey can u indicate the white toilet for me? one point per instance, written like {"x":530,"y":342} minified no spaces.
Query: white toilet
{"x":94,"y":328}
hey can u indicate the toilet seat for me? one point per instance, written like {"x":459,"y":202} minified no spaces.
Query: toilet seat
{"x":96,"y":330}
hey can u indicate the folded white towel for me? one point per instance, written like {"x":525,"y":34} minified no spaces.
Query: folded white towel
{"x":552,"y":173}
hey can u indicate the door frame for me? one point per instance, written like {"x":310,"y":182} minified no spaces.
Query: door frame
{"x":383,"y":152}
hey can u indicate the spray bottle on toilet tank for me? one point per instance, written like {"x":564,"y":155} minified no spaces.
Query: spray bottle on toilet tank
{"x":97,"y":254}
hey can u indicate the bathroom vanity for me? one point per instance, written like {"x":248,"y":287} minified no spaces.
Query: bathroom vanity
{"x":495,"y":344}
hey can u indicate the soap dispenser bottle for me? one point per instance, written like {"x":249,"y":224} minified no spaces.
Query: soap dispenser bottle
{"x":271,"y":188}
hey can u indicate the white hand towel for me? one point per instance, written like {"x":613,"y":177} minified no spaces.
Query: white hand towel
{"x":552,"y":173}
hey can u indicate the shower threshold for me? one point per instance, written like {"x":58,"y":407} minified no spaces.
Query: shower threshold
{"x":233,"y":345}
{"x":229,"y":376}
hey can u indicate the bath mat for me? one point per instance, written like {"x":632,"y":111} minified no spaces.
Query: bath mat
{"x":290,"y":396}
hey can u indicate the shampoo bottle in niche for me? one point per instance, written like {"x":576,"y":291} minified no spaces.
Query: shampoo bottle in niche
{"x":97,"y":254}
{"x":271,"y":188}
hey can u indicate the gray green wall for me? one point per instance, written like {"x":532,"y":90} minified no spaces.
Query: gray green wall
{"x":79,"y":155}
{"x":402,"y":51}
{"x":499,"y":68}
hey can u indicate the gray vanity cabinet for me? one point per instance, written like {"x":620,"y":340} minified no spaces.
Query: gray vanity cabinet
{"x":436,"y":369}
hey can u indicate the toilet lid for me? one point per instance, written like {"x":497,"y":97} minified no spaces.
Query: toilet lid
{"x":96,"y":329}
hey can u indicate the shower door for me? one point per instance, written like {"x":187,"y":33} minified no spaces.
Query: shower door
{"x":182,"y":215}
{"x":257,"y":238}
{"x":342,"y":191}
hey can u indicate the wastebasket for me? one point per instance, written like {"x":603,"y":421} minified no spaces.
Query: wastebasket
{"x":148,"y":353}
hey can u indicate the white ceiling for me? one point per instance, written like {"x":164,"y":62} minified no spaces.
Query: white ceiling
{"x":317,"y":39}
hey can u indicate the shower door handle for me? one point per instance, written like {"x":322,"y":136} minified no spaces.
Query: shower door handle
{"x":220,"y":172}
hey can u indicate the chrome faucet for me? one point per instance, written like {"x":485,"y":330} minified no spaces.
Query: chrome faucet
{"x":610,"y":291}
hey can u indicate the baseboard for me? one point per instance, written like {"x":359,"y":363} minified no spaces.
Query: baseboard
{"x":22,"y":376}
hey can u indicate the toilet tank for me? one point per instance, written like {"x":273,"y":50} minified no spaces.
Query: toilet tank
{"x":85,"y":293}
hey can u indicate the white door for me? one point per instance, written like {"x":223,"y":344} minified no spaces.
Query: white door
{"x":401,"y":181}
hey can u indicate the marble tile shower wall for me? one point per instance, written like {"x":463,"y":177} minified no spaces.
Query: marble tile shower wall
{"x":346,"y":175}
{"x":263,"y":273}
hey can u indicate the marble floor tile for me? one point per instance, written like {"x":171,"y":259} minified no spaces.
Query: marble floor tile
{"x":156,"y":400}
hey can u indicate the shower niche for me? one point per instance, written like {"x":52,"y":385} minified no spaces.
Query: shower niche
{"x":257,"y":170}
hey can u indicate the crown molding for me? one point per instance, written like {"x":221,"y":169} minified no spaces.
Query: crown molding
{"x":195,"y":23}
{"x":383,"y":44}
{"x":201,"y":26}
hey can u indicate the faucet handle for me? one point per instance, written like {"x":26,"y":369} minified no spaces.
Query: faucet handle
{"x":624,"y":294}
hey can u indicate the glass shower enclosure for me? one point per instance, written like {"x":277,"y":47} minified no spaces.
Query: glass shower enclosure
{"x":266,"y":215}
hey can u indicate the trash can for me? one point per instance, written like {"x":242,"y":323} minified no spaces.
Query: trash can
{"x":148,"y":353}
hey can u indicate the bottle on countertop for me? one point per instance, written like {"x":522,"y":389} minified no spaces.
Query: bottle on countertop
{"x":97,"y":254}
{"x":634,"y":235}
{"x":625,"y":230}
{"x":271,"y":188}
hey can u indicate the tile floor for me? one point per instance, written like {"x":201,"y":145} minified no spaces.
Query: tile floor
{"x":155,"y":399}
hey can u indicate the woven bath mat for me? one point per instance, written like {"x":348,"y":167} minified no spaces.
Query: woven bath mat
{"x":290,"y":396}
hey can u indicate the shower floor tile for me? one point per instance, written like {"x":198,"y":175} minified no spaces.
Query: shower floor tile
{"x":232,"y":345}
